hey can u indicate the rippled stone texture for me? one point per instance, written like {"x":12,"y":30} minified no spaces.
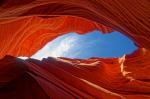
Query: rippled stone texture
{"x":27,"y":25}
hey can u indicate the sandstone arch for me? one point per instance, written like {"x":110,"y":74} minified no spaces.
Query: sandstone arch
{"x":27,"y":25}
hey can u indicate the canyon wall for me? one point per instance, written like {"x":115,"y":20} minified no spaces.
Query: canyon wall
{"x":27,"y":25}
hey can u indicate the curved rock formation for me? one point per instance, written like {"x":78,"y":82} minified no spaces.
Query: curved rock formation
{"x":27,"y":25}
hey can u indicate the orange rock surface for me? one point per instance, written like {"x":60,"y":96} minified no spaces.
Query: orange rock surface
{"x":27,"y":25}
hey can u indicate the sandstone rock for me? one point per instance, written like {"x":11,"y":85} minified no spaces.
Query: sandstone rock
{"x":27,"y":25}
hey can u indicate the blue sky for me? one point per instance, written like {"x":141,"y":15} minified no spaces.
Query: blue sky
{"x":93,"y":44}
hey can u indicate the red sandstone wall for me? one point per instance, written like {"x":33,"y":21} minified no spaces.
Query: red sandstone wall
{"x":95,"y":78}
{"x":27,"y":25}
{"x":23,"y":21}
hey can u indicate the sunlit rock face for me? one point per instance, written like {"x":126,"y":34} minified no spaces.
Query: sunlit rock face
{"x":27,"y":25}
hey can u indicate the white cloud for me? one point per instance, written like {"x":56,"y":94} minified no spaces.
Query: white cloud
{"x":56,"y":49}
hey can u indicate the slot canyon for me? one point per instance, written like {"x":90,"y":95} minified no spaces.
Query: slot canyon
{"x":27,"y":25}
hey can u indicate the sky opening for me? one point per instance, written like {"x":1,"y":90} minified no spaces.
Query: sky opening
{"x":93,"y":44}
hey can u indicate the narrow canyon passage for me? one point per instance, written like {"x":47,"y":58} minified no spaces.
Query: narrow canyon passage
{"x":26,"y":26}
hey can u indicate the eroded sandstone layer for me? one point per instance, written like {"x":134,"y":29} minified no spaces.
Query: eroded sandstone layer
{"x":27,"y":25}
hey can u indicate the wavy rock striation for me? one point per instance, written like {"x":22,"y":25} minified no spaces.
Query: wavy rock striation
{"x":27,"y":25}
